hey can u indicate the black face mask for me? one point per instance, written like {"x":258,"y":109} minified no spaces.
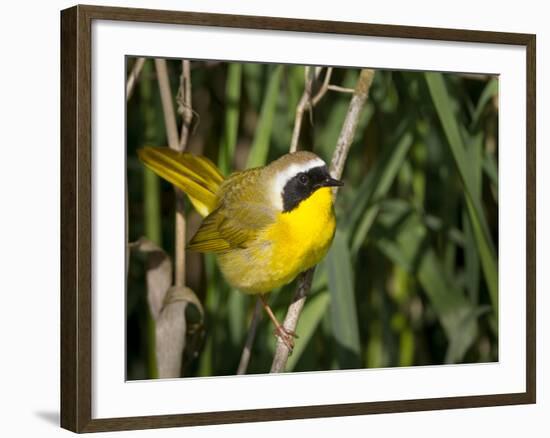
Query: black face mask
{"x":304,"y":184}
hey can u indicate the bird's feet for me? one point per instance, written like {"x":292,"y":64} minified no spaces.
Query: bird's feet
{"x":286,"y":336}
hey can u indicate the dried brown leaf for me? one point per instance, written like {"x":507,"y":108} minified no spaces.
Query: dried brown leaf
{"x":170,"y":339}
{"x":159,"y":273}
{"x":171,"y":329}
{"x":183,"y":293}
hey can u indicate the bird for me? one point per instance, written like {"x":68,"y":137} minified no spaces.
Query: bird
{"x":266,"y":224}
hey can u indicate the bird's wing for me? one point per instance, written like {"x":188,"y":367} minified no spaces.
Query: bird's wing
{"x":242,"y":214}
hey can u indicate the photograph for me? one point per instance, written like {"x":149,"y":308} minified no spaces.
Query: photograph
{"x":304,"y":218}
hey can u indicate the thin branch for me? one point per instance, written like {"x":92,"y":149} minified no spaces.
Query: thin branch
{"x":303,"y":104}
{"x":324,"y":88}
{"x":167,"y":103}
{"x":341,"y":89}
{"x":247,"y":350}
{"x":307,"y":102}
{"x":185,"y":106}
{"x":134,"y":75}
{"x":347,"y":133}
{"x":184,"y":103}
{"x":336,"y":167}
{"x":291,"y":320}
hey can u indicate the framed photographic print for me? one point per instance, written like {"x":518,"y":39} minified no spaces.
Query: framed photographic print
{"x":268,"y":218}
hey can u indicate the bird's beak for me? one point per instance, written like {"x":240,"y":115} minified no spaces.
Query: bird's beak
{"x":331,"y":182}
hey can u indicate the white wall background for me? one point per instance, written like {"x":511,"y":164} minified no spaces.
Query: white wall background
{"x":29,"y":188}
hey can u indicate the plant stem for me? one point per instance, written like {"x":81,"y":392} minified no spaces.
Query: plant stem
{"x":305,"y":103}
{"x":175,"y":143}
{"x":184,"y":100}
{"x":178,"y":144}
{"x":167,"y":103}
{"x":339,"y":157}
{"x":291,"y":320}
{"x":133,"y":77}
{"x":245,"y":356}
{"x":151,"y":202}
{"x":347,"y":133}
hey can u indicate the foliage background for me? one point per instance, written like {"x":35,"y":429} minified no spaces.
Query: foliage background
{"x":411,"y":278}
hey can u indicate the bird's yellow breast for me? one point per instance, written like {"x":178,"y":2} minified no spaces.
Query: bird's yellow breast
{"x":302,"y":237}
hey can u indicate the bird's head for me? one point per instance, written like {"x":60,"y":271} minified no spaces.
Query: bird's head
{"x":296,"y":176}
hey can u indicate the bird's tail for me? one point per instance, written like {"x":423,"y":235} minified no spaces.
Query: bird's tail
{"x":197,"y":176}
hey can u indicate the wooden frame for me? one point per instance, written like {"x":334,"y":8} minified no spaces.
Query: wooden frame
{"x":76,"y":173}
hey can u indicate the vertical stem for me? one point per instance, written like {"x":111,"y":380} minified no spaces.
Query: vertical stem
{"x":179,"y":279}
{"x":232,"y":100}
{"x":178,"y":144}
{"x":185,"y":103}
{"x":167,"y":104}
{"x":130,"y":86}
{"x":303,"y":105}
{"x":247,"y":351}
{"x":174,"y":143}
{"x":152,"y":207}
{"x":151,"y":203}
{"x":133,"y":77}
{"x":152,"y":232}
{"x":187,"y":115}
{"x":291,"y":320}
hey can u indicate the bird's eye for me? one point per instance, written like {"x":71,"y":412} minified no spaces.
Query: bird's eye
{"x":303,"y":178}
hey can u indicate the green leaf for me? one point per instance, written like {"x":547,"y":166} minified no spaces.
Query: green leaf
{"x":253,"y":82}
{"x":403,"y":238}
{"x":310,"y":318}
{"x":491,"y":169}
{"x":295,"y":80}
{"x":406,"y":347}
{"x":490,"y":90}
{"x":260,"y":145}
{"x":443,"y":105}
{"x":471,"y":257}
{"x":374,"y":187}
{"x":231,"y":128}
{"x":467,"y":332}
{"x":207,"y":359}
{"x":151,"y":195}
{"x":343,"y":309}
{"x":236,"y":312}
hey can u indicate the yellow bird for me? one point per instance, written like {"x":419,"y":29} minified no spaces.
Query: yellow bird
{"x":265,"y":225}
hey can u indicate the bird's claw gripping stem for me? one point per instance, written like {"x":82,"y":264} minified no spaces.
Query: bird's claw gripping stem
{"x":286,"y":336}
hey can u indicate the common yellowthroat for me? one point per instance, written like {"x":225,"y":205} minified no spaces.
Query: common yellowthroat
{"x":266,"y":225}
